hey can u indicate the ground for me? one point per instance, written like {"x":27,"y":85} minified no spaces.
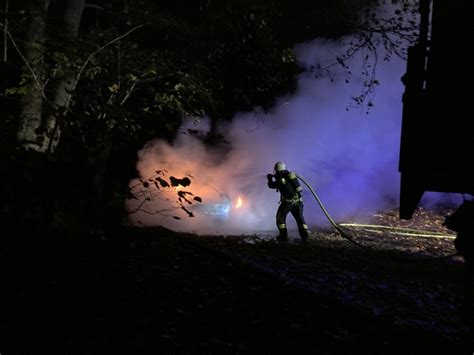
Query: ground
{"x":153,"y":291}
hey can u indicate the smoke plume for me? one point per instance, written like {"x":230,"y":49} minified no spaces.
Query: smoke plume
{"x":349,"y":156}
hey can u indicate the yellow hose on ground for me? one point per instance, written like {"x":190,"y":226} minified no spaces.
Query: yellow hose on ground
{"x":398,"y":230}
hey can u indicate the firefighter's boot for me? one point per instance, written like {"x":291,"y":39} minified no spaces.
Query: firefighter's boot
{"x":304,"y":233}
{"x":283,"y":233}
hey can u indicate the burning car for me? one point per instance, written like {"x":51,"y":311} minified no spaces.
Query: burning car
{"x":220,"y":208}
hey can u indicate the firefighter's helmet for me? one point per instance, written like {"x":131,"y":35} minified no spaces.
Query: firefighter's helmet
{"x":279,"y":166}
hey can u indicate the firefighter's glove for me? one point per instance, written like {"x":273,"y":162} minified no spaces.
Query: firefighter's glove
{"x":269,"y":177}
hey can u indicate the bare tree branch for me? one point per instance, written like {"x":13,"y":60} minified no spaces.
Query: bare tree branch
{"x":55,"y":128}
{"x":161,"y":212}
{"x":129,"y":92}
{"x":118,"y":64}
{"x":35,"y":77}
{"x":93,"y":6}
{"x":5,"y":34}
{"x":100,"y":49}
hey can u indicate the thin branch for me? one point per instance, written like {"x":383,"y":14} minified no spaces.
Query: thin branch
{"x":129,"y":92}
{"x":140,"y":205}
{"x":81,"y":70}
{"x":162,"y":211}
{"x":5,"y":34}
{"x":35,"y":77}
{"x":79,"y":74}
{"x":93,"y":6}
{"x":144,"y":201}
{"x":118,"y":65}
{"x":349,"y":54}
{"x":141,"y":80}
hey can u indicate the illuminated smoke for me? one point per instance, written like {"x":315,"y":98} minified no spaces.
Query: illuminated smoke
{"x":349,"y":157}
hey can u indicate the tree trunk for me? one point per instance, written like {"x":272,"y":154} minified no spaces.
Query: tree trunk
{"x":61,"y":101}
{"x":29,"y":134}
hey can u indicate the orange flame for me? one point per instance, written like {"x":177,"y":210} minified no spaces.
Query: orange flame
{"x":239,"y":203}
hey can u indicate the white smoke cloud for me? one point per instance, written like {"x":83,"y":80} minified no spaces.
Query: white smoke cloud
{"x":348,"y":156}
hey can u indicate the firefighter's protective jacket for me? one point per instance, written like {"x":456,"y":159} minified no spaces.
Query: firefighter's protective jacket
{"x":287,"y":184}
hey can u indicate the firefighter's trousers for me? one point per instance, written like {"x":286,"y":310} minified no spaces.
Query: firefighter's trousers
{"x":296,"y":210}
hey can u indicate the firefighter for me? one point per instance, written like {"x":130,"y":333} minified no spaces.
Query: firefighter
{"x":287,"y":184}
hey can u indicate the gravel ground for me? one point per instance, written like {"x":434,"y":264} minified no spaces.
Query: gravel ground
{"x":406,"y":274}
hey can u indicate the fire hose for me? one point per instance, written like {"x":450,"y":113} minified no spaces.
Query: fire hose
{"x":405,"y":231}
{"x":326,"y":213}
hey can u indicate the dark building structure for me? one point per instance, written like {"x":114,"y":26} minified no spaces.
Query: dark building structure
{"x":437,"y":140}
